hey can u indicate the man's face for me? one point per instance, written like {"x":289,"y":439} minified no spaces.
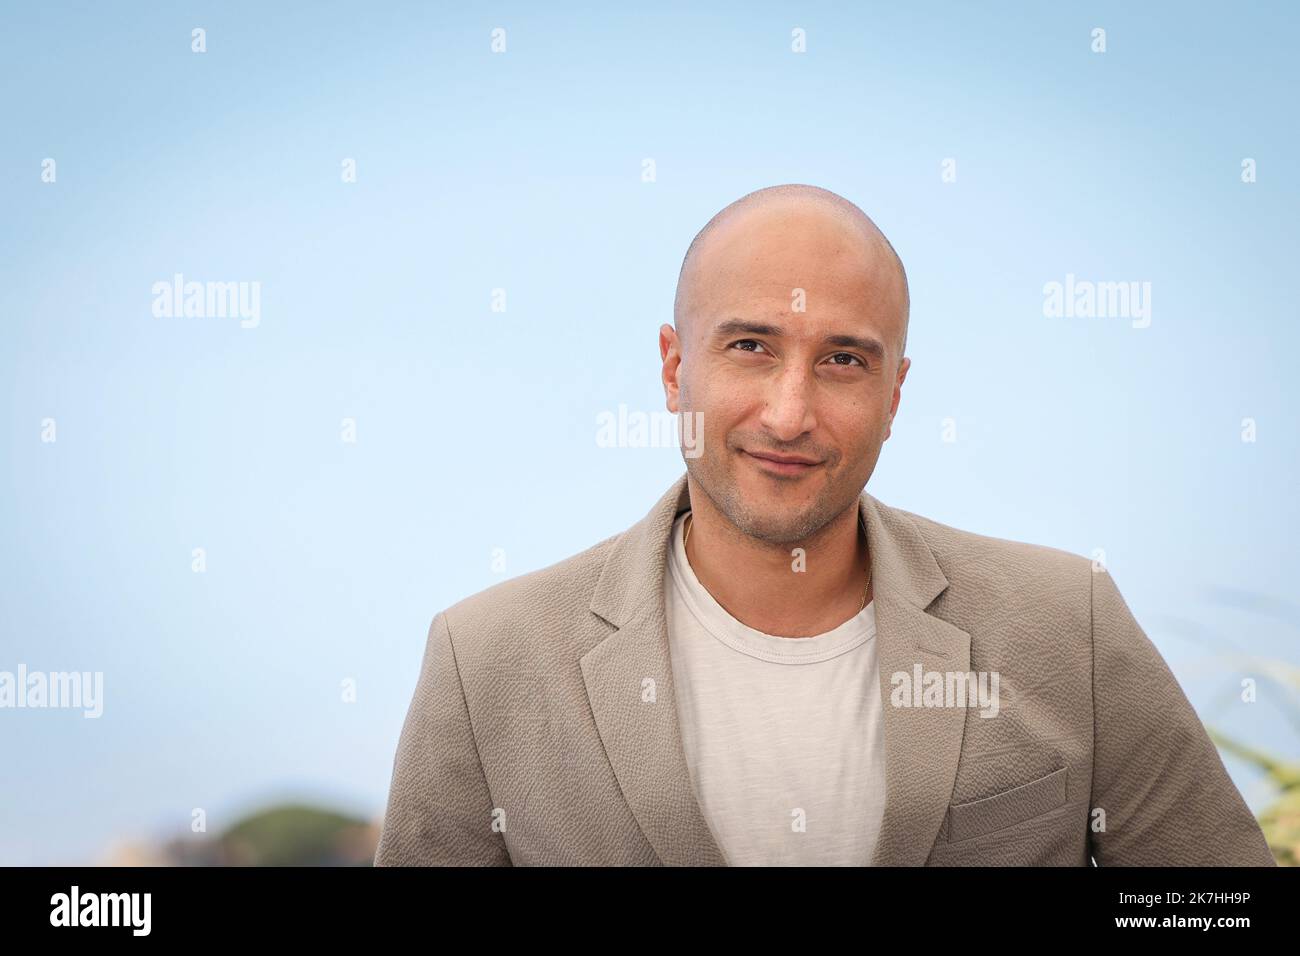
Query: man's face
{"x":775,"y":371}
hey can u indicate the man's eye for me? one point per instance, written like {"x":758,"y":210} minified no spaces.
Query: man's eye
{"x":846,"y":355}
{"x":744,"y":342}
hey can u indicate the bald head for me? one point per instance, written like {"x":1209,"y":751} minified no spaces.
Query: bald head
{"x":756,"y":224}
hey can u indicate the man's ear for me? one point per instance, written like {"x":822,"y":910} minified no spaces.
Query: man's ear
{"x":670,"y":354}
{"x":898,"y":396}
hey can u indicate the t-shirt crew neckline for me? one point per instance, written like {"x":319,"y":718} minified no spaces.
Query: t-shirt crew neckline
{"x":715,"y":619}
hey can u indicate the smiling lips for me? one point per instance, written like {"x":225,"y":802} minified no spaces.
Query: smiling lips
{"x":783,"y":464}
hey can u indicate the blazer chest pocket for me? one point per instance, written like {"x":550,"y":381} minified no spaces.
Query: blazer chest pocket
{"x":969,"y":820}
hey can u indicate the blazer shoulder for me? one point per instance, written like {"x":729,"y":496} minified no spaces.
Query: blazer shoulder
{"x":963,"y":554}
{"x":559,"y":591}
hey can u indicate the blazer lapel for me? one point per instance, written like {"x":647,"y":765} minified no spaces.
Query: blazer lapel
{"x":922,"y":744}
{"x":629,"y":684}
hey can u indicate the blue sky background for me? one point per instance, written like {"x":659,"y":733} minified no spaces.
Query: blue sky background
{"x":476,"y":429}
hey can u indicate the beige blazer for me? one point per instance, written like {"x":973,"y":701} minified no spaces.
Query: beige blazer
{"x":543,"y":729}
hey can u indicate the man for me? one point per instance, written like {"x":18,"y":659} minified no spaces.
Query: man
{"x":773,"y":667}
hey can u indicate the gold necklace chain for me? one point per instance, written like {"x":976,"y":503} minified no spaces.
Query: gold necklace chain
{"x":690,"y":518}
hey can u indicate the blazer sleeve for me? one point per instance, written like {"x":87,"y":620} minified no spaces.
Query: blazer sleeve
{"x":1168,"y":799}
{"x":439,"y":808}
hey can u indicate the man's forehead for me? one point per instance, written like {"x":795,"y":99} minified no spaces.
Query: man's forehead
{"x":840,"y":291}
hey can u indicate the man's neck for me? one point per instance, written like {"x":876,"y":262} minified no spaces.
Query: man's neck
{"x":758,"y":583}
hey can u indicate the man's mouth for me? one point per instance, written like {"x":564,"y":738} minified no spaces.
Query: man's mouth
{"x":776,"y":464}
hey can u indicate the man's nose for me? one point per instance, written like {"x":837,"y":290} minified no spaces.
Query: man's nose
{"x":788,"y":404}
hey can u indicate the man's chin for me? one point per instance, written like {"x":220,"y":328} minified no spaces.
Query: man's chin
{"x":776,"y":522}
{"x":773,"y":511}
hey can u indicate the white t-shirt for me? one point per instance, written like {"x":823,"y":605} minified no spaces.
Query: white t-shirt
{"x":784,"y":736}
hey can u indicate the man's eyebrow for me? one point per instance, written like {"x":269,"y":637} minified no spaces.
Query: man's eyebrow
{"x":743,"y":327}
